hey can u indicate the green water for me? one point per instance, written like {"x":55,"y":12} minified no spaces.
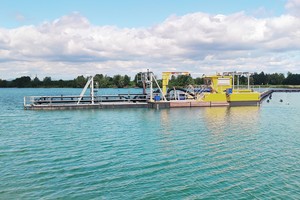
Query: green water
{"x":180,"y":153}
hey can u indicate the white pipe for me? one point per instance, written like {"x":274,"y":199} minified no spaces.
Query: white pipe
{"x":151,"y":87}
{"x":164,"y":97}
{"x":238,"y":81}
{"x":84,"y":89}
{"x":92,"y":90}
{"x":232,"y":80}
{"x":248,"y":81}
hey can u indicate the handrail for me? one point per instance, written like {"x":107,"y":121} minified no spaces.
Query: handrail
{"x":86,"y":99}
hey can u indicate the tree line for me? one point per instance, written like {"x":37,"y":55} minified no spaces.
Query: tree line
{"x":103,"y":81}
{"x":120,"y":81}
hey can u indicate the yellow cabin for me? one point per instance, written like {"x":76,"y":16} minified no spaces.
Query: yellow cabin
{"x":222,"y":89}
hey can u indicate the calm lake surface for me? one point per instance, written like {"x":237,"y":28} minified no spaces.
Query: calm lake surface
{"x":179,"y":153}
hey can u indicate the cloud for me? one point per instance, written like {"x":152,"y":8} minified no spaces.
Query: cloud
{"x":293,"y":7}
{"x":20,"y":17}
{"x":196,"y":42}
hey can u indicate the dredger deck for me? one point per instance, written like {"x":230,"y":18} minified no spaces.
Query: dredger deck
{"x":218,"y":90}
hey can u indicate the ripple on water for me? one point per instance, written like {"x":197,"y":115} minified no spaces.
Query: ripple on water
{"x":197,"y":153}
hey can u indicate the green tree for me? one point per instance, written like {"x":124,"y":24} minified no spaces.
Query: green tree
{"x":47,"y":82}
{"x":3,"y":83}
{"x":22,"y":82}
{"x":292,"y":79}
{"x":243,"y":80}
{"x":80,"y":81}
{"x":276,"y":79}
{"x":103,"y":81}
{"x":61,"y":83}
{"x":172,"y":82}
{"x":137,"y":80}
{"x":260,"y":79}
{"x":126,"y":80}
{"x":118,"y":81}
{"x":36,"y":82}
{"x":199,"y":81}
{"x":184,"y":80}
{"x":181,"y":80}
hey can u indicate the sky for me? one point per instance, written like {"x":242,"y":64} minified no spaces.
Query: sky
{"x":67,"y":38}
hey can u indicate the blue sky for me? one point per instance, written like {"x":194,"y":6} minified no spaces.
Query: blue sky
{"x":68,"y":38}
{"x":126,"y":13}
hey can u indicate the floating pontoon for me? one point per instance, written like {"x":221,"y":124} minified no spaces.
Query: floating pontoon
{"x":218,"y":90}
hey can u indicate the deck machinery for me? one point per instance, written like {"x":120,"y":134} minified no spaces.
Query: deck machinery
{"x":166,"y":77}
{"x":223,"y":89}
{"x":219,"y":90}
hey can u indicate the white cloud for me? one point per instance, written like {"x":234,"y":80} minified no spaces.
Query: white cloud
{"x":293,"y":7}
{"x":19,"y":17}
{"x":197,"y":42}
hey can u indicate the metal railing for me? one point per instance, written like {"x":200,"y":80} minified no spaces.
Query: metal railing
{"x":50,"y":100}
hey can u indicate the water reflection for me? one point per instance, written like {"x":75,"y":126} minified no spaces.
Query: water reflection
{"x":216,"y":119}
{"x":197,"y":125}
{"x":165,"y":119}
{"x":221,"y":119}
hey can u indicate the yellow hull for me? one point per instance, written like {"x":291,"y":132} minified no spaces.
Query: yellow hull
{"x":250,"y":96}
{"x":215,"y":97}
{"x":243,"y":96}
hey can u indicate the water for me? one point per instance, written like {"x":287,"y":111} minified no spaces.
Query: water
{"x":188,"y":153}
